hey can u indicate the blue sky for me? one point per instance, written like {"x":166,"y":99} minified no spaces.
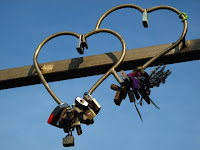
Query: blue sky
{"x":25,"y":110}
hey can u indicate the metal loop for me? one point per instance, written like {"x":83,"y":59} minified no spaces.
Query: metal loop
{"x":114,"y":9}
{"x":148,"y":63}
{"x":37,"y":65}
{"x":111,"y":70}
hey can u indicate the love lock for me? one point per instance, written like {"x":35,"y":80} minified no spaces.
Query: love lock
{"x":139,"y":82}
{"x":86,"y":108}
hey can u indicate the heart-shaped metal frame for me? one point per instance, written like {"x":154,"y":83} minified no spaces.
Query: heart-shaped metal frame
{"x":181,"y":16}
{"x":110,"y":71}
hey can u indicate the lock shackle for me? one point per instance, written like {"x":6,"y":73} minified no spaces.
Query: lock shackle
{"x":112,"y":69}
{"x":37,"y":67}
{"x":181,"y":16}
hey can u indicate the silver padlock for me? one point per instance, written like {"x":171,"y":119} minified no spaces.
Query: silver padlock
{"x":145,"y":19}
{"x":68,"y":140}
{"x":80,"y":102}
{"x":80,"y":47}
{"x":81,"y":44}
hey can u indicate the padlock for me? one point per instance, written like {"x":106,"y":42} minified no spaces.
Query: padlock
{"x":90,"y":114}
{"x":126,"y":78}
{"x":54,"y":117}
{"x":81,"y":103}
{"x":66,"y":118}
{"x":85,"y":120}
{"x":131,"y":96}
{"x":123,"y":91}
{"x":64,"y":122}
{"x":117,"y":98}
{"x":84,"y":41}
{"x":128,"y":83}
{"x":70,"y":114}
{"x":79,"y":130}
{"x":120,"y":93}
{"x":93,"y":104}
{"x":114,"y":87}
{"x":123,"y":75}
{"x":68,"y":140}
{"x":145,"y":19}
{"x":80,"y":47}
{"x":77,"y":124}
{"x":81,"y":44}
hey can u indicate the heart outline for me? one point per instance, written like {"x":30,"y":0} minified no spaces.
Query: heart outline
{"x":181,"y":16}
{"x":110,"y":71}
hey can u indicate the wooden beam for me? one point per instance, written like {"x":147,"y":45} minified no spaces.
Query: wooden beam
{"x":96,"y":64}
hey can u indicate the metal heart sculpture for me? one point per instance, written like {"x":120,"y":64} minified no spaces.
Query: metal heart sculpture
{"x":134,"y":84}
{"x":138,"y":83}
{"x":86,"y":108}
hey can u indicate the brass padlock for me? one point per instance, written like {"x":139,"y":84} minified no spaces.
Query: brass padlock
{"x":90,"y":114}
{"x":70,"y":114}
{"x":85,"y":120}
{"x":77,"y":124}
{"x":68,"y":140}
{"x":93,"y":104}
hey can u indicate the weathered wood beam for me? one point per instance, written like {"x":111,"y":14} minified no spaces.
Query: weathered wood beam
{"x":96,"y":64}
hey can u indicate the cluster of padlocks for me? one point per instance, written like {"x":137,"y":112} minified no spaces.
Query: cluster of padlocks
{"x":69,"y":118}
{"x":136,"y":84}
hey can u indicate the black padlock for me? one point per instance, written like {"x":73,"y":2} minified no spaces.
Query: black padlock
{"x":68,"y":140}
{"x":80,"y":47}
{"x":54,"y":117}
